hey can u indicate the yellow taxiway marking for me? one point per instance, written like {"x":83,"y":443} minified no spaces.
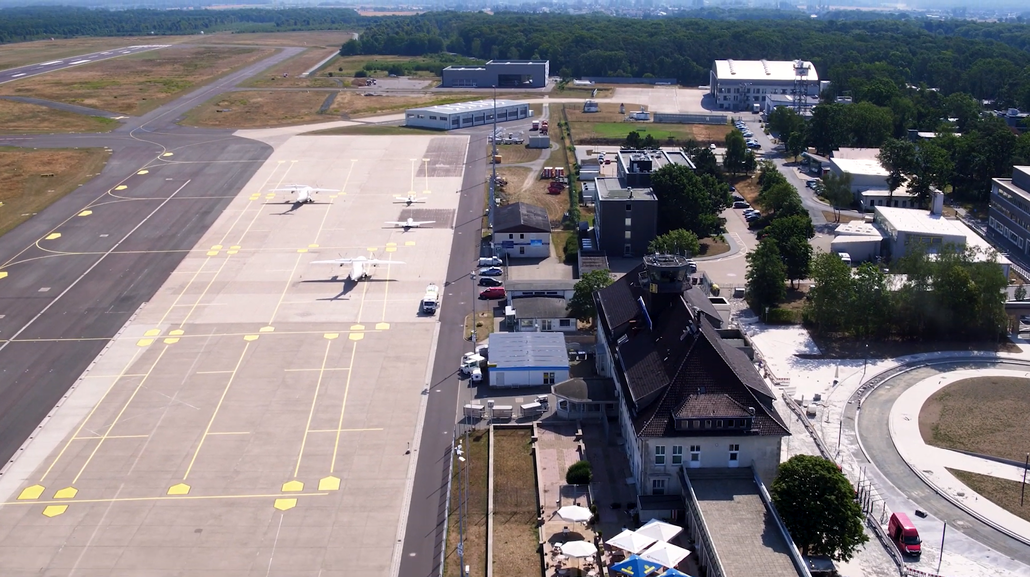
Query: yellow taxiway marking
{"x":302,"y":250}
{"x":53,"y":236}
{"x":168,"y":154}
{"x":293,"y":486}
{"x":88,"y":416}
{"x":54,"y":510}
{"x":372,"y":248}
{"x":152,"y":333}
{"x":356,"y":336}
{"x":391,"y":249}
{"x":144,"y":171}
{"x":409,"y":243}
{"x":31,"y":493}
{"x":225,"y":391}
{"x":179,"y":489}
{"x":382,"y":326}
{"x":167,"y":498}
{"x":86,"y":213}
{"x":66,"y":493}
{"x":357,"y":327}
{"x":175,"y":332}
{"x":314,"y":403}
{"x":312,"y":246}
{"x":343,"y":408}
{"x":329,"y":483}
{"x":125,"y":406}
{"x":285,"y":504}
{"x":391,"y":244}
{"x":144,"y":342}
{"x":267,"y":329}
{"x":171,"y":340}
{"x":3,"y":274}
{"x":212,"y":253}
{"x":121,"y":187}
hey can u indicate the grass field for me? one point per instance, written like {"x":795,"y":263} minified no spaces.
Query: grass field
{"x":352,"y":64}
{"x":610,"y":127}
{"x":477,"y":455}
{"x":24,"y":53}
{"x":983,"y":415}
{"x":1001,"y":492}
{"x":314,"y":38}
{"x":257,"y":109}
{"x":515,"y":504}
{"x":24,"y":192}
{"x":525,"y":185}
{"x":293,"y":68}
{"x":585,"y":92}
{"x":136,"y":83}
{"x":23,"y":118}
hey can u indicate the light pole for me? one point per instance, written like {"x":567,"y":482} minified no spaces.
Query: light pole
{"x":941,"y":558}
{"x":1022,"y":488}
{"x":472,"y":276}
{"x":493,"y":164}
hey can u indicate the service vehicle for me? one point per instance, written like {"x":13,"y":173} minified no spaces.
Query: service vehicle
{"x":471,"y":366}
{"x":904,"y":534}
{"x":431,"y":300}
{"x":490,"y":261}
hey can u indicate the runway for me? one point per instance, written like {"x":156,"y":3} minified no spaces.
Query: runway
{"x":52,"y":65}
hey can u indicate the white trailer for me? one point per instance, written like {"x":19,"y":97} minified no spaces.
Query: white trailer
{"x":431,"y":300}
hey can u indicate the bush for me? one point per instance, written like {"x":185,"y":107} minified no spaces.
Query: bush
{"x":571,"y":249}
{"x":361,"y":74}
{"x":782,"y":317}
{"x":579,"y":473}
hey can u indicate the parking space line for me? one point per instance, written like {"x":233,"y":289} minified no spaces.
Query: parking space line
{"x":343,"y":409}
{"x":289,"y":282}
{"x":314,"y":403}
{"x":242,"y":212}
{"x":214,"y":414}
{"x":93,"y":438}
{"x":202,"y":294}
{"x":258,"y":211}
{"x":343,"y":190}
{"x":82,"y":425}
{"x":117,"y":417}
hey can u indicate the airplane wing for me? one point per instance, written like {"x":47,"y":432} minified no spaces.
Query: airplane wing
{"x":324,"y":190}
{"x":339,"y":261}
{"x":396,"y":223}
{"x":421,"y":222}
{"x":378,"y":261}
{"x":294,"y":189}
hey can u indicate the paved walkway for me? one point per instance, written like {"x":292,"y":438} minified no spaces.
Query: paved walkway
{"x":932,"y":463}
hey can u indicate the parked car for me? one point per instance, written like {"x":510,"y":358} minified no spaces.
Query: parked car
{"x":748,"y":134}
{"x":904,"y":535}
{"x":490,"y":261}
{"x":811,"y":183}
{"x":741,"y":204}
{"x":751,"y":217}
{"x":491,"y":271}
{"x":493,"y":293}
{"x":489,"y":281}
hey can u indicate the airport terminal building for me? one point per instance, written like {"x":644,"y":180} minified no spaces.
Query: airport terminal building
{"x":465,"y":114}
{"x":498,"y":73}
{"x":740,"y":84}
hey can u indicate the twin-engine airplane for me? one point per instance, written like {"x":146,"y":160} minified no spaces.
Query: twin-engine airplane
{"x":406,"y":224}
{"x":304,"y":192}
{"x":361,"y":266}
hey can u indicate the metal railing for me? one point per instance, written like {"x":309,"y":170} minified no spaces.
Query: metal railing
{"x":700,"y":529}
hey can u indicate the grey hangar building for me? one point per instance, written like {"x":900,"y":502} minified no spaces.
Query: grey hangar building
{"x":466,"y":114}
{"x":498,"y":74}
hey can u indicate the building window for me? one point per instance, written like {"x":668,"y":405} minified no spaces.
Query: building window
{"x":564,"y":322}
{"x":659,"y":454}
{"x":718,"y":423}
{"x":511,"y":237}
{"x":677,"y":454}
{"x":629,"y":222}
{"x":522,"y":237}
{"x":629,"y":207}
{"x":629,"y":234}
{"x":657,"y":486}
{"x":522,"y":250}
{"x":708,"y":423}
{"x":734,"y":453}
{"x":695,"y":453}
{"x":549,"y":378}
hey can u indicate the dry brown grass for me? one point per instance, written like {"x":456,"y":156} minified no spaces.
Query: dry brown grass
{"x":136,"y":83}
{"x":24,"y":192}
{"x":747,"y":187}
{"x":713,"y":247}
{"x":515,"y":504}
{"x":983,"y":415}
{"x":1001,"y":492}
{"x":525,"y":185}
{"x":323,"y":38}
{"x":584,"y":92}
{"x":293,"y":68}
{"x":257,"y":109}
{"x":24,"y":53}
{"x":830,"y":216}
{"x":24,"y":118}
{"x":515,"y":153}
{"x":478,"y":454}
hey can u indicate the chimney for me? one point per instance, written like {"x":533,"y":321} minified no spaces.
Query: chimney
{"x":937,"y":203}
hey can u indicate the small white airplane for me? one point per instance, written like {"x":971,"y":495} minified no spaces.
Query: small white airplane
{"x":409,"y":223}
{"x":361,"y":266}
{"x":303,"y":192}
{"x":410,"y":199}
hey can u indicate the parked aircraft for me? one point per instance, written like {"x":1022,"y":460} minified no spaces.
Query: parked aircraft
{"x":406,"y":224}
{"x":361,"y":266}
{"x":410,"y":199}
{"x":303,"y":192}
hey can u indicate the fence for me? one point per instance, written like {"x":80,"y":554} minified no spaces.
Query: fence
{"x":670,"y":118}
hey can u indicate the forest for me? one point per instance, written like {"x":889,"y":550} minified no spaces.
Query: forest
{"x":34,"y":23}
{"x":989,"y":61}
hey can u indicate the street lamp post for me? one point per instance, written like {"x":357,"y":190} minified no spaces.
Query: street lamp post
{"x":1022,"y":488}
{"x":472,"y":275}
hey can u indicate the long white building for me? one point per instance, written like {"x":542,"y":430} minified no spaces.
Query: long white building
{"x":466,"y":114}
{"x":740,"y":84}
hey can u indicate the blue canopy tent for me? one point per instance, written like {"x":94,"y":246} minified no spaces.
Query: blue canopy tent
{"x":635,"y":566}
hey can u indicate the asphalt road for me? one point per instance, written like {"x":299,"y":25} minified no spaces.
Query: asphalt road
{"x":65,"y":297}
{"x":44,"y":67}
{"x":872,"y":429}
{"x":423,"y":537}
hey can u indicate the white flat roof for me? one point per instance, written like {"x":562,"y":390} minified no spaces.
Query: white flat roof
{"x":761,"y":70}
{"x":474,"y":106}
{"x":857,"y":228}
{"x":920,"y":221}
{"x":901,"y":192}
{"x":864,"y":166}
{"x":857,"y":153}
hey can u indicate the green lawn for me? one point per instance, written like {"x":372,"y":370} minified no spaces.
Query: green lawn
{"x":622,"y":129}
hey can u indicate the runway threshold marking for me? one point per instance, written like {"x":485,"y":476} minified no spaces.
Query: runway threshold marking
{"x":311,"y":412}
{"x":214,"y":414}
{"x":343,"y":409}
{"x":426,"y":191}
{"x":117,"y":417}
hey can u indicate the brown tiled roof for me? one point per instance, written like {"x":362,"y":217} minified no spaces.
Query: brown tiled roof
{"x":710,"y":405}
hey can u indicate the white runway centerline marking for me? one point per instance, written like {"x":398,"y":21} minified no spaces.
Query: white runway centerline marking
{"x":51,"y":62}
{"x":80,"y":62}
{"x":17,"y":75}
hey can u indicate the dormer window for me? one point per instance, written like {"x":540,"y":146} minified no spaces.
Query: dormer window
{"x":718,"y":424}
{"x":708,"y":424}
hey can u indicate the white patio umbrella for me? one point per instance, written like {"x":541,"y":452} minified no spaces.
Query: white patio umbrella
{"x":575,"y":513}
{"x":578,"y":549}
{"x":660,"y":530}
{"x":631,"y":541}
{"x":665,"y":554}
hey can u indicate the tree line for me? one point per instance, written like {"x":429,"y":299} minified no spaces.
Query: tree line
{"x":39,"y":22}
{"x":985,"y":60}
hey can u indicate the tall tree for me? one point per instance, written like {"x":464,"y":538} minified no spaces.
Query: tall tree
{"x":689,"y":201}
{"x":817,"y":504}
{"x":705,"y":161}
{"x":766,"y":276}
{"x":932,"y":170}
{"x":677,"y":241}
{"x":837,"y":190}
{"x":871,"y":310}
{"x":897,"y":157}
{"x":581,"y":305}
{"x":831,"y":295}
{"x":736,"y":152}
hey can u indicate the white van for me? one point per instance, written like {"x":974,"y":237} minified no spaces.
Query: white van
{"x":490,"y":261}
{"x":845,"y":257}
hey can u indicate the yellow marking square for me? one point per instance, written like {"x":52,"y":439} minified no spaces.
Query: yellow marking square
{"x":86,"y":213}
{"x":266,"y":329}
{"x":121,"y":187}
{"x":231,"y":252}
{"x":302,"y":250}
{"x":3,"y":274}
{"x":171,"y":340}
{"x":409,"y":243}
{"x":179,"y":489}
{"x":152,"y":333}
{"x":285,"y":504}
{"x":168,"y":154}
{"x":212,"y":253}
{"x":144,"y":342}
{"x":331,"y":336}
{"x":312,"y":246}
{"x":54,"y":510}
{"x":357,"y":327}
{"x":391,"y":249}
{"x":357,"y":336}
{"x":66,"y":493}
{"x":176,"y":332}
{"x":329,"y":484}
{"x":53,"y":236}
{"x":144,"y":171}
{"x":31,"y":493}
{"x":382,"y":326}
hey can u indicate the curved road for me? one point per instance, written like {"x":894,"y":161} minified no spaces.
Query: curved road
{"x":872,"y":429}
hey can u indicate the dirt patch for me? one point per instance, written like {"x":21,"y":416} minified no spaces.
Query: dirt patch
{"x":831,"y":217}
{"x":477,"y":459}
{"x":23,"y":118}
{"x":293,"y":68}
{"x":712,"y":247}
{"x":515,"y":153}
{"x":24,"y":190}
{"x":24,"y":53}
{"x":255,"y":109}
{"x":747,"y":187}
{"x":136,"y":83}
{"x":984,"y":415}
{"x":1001,"y":492}
{"x":515,"y":503}
{"x":484,"y":320}
{"x":525,"y":185}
